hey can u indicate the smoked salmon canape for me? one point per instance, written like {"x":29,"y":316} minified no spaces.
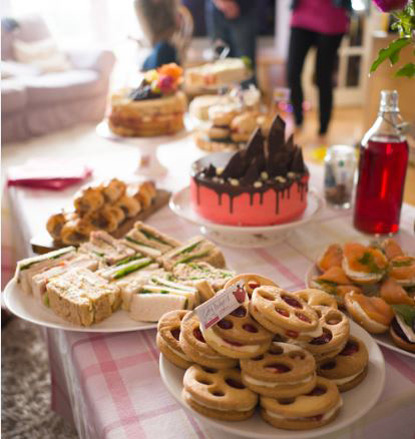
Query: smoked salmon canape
{"x":332,"y":257}
{"x":335,"y":282}
{"x":402,"y":329}
{"x":394,"y":294}
{"x":373,"y":313}
{"x":363,"y":264}
{"x":402,"y":269}
{"x":391,"y":248}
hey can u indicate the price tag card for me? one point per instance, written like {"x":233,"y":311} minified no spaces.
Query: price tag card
{"x":220,"y":305}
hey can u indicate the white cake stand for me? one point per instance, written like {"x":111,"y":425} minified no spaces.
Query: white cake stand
{"x":244,"y":236}
{"x":149,"y":164}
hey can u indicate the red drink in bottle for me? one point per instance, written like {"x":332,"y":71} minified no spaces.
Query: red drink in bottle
{"x":382,"y":170}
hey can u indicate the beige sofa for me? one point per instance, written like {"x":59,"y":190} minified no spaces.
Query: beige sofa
{"x":35,"y":104}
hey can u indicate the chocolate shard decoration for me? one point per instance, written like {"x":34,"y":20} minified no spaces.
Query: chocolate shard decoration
{"x":297,"y":164}
{"x":255,"y":146}
{"x":210,"y":171}
{"x":254,"y":170}
{"x":276,"y":136}
{"x":236,"y":166}
{"x":289,"y":144}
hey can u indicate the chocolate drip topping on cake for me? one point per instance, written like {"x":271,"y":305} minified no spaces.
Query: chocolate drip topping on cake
{"x":265,"y":164}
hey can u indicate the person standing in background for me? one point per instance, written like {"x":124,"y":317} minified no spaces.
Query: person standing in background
{"x":235,"y":23}
{"x":319,"y":23}
{"x":159,"y":21}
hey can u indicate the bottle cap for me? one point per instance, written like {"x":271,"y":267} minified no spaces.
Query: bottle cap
{"x":389,"y":101}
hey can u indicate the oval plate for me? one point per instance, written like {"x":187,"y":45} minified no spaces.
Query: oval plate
{"x":356,"y":402}
{"x":29,"y":308}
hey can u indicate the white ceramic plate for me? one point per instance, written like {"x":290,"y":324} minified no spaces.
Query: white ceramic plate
{"x":356,"y":402}
{"x":244,"y":236}
{"x":29,"y":308}
{"x":383,"y":339}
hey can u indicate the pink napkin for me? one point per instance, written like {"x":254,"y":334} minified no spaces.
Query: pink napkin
{"x":49,"y":174}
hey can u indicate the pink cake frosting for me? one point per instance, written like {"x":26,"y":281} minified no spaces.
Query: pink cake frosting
{"x":264,"y":184}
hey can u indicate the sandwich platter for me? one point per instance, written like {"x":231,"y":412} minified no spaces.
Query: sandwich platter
{"x":240,"y":236}
{"x":382,"y":339}
{"x":27,"y":307}
{"x":357,"y":402}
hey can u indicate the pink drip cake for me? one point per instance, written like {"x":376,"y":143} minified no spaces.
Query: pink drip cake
{"x":264,"y":184}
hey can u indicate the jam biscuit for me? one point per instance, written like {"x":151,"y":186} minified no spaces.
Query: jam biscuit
{"x":315,"y":409}
{"x":218,"y":394}
{"x":168,"y":332}
{"x":251,"y":281}
{"x":349,"y":367}
{"x":284,"y":313}
{"x":238,"y":335}
{"x":195,"y":347}
{"x":284,"y":371}
{"x":336,"y":330}
{"x":316,"y":297}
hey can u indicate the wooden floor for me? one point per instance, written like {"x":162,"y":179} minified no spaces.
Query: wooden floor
{"x":346,"y":128}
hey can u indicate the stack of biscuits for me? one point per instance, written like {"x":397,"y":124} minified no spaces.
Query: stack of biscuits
{"x":289,"y":353}
{"x":230,"y":128}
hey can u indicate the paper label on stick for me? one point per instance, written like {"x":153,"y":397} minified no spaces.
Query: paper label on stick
{"x":220,"y":305}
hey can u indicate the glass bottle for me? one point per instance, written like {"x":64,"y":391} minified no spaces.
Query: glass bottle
{"x":382,"y":170}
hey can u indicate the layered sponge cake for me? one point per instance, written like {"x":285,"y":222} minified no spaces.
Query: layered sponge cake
{"x":155,"y":108}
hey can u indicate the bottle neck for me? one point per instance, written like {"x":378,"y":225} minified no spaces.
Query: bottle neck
{"x":386,"y":126}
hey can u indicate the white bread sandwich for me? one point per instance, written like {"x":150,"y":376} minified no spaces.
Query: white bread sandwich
{"x":82,"y":297}
{"x":27,"y":268}
{"x":197,"y":249}
{"x":40,"y":280}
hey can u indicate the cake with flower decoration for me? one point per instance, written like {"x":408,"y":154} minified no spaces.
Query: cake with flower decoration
{"x":155,"y":108}
{"x":264,"y":184}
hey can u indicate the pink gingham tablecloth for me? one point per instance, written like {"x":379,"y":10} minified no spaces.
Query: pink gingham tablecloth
{"x":109,"y":384}
{"x":112,"y":381}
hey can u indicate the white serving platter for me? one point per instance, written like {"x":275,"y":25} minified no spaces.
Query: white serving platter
{"x":29,"y":308}
{"x":356,"y":402}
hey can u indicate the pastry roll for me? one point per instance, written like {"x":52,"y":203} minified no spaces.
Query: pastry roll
{"x":146,"y":193}
{"x":89,"y":200}
{"x":76,"y":231}
{"x":106,"y":218}
{"x":114,"y":190}
{"x":55,"y":224}
{"x":130,"y":206}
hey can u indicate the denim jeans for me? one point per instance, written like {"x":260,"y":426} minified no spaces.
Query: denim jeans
{"x":163,"y":53}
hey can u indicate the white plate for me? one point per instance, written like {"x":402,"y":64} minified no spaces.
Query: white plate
{"x":356,"y":402}
{"x":29,"y":308}
{"x":244,"y":236}
{"x":382,"y":339}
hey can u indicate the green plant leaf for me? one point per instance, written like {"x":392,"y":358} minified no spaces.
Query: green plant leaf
{"x":408,"y":71}
{"x":391,"y":52}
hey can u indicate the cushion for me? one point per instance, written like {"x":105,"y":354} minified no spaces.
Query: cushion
{"x":13,"y":96}
{"x":10,"y":69}
{"x":43,"y":54}
{"x":57,"y":87}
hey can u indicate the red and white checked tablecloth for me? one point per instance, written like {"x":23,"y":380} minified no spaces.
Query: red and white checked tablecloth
{"x":110,"y":384}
